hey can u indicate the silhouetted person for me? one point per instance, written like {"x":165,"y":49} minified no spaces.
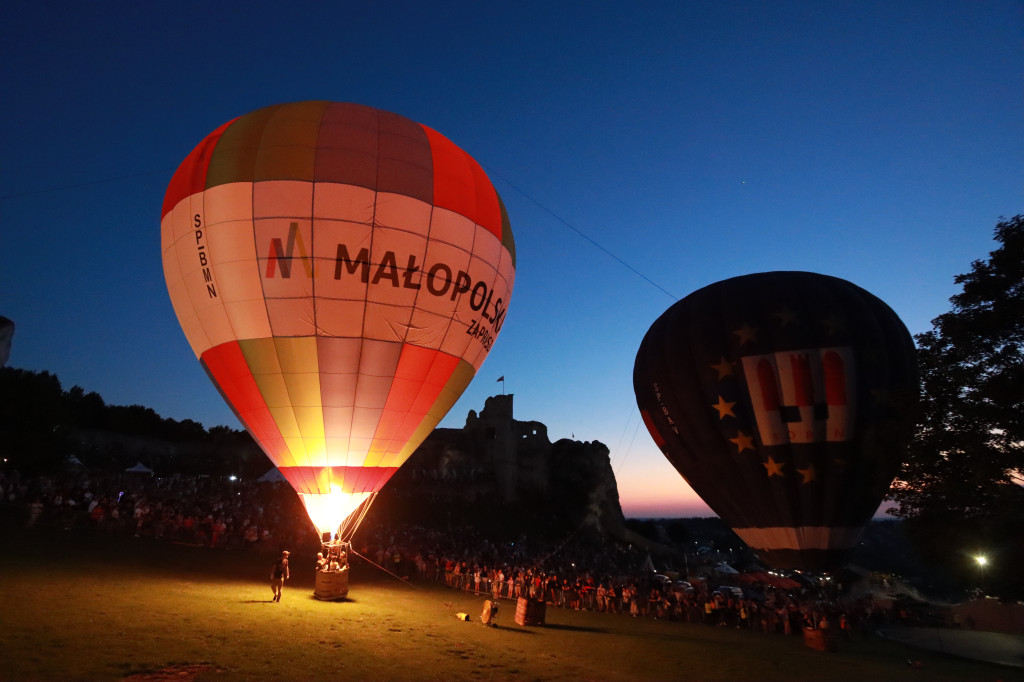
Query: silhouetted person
{"x":278,"y":574}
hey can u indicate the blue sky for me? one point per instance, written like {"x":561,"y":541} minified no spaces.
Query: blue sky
{"x":684,"y":141}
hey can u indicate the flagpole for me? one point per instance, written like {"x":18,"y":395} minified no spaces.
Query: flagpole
{"x":502,"y":380}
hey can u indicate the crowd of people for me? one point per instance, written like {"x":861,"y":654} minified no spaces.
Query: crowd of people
{"x":196,"y":510}
{"x":582,"y":572}
{"x":607,"y":577}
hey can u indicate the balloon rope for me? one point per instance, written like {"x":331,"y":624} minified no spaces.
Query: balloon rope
{"x":585,"y":236}
{"x":558,"y":549}
{"x":396,"y":577}
{"x":617,"y":465}
{"x":629,"y":449}
{"x":348,"y":527}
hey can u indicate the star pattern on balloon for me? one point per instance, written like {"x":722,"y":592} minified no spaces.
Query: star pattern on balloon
{"x":730,"y":409}
{"x":746,"y":334}
{"x":724,"y":408}
{"x":772,"y":467}
{"x":725,"y":368}
{"x":731,"y":412}
{"x":743,"y":441}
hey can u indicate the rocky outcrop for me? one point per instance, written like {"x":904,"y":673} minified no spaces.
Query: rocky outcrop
{"x":498,"y":458}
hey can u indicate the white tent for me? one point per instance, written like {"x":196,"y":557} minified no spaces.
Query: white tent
{"x":139,"y":468}
{"x":272,"y":476}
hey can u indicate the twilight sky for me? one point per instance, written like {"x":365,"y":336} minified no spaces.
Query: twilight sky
{"x":643,"y":151}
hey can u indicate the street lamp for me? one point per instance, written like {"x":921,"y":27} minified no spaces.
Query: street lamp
{"x":982,"y":562}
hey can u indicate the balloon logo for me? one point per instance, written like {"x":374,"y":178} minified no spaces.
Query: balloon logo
{"x":341,"y":273}
{"x":785,"y":399}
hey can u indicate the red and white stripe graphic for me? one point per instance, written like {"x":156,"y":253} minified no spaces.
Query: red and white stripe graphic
{"x":802,"y":396}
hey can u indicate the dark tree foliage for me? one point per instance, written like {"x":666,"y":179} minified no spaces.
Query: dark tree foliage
{"x":41,"y":425}
{"x":960,"y":488}
{"x":32,"y":419}
{"x":645,"y":528}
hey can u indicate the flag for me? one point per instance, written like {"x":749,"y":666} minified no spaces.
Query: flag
{"x":501,"y":378}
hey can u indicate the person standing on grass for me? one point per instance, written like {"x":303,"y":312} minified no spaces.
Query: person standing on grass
{"x":278,"y":574}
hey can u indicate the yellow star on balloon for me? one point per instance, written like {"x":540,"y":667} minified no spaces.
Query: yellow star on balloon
{"x":773,"y":468}
{"x":808,"y":473}
{"x":724,"y":368}
{"x":743,"y":441}
{"x":746,"y":333}
{"x":724,"y":408}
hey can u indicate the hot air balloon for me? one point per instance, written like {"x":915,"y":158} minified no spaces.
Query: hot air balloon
{"x":786,"y":400}
{"x":341,"y":273}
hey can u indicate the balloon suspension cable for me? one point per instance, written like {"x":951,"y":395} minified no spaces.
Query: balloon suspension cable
{"x":565,"y":542}
{"x":348,"y":527}
{"x":373,"y":563}
{"x":399,"y":578}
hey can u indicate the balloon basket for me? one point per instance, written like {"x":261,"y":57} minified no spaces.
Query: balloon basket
{"x":331,"y":585}
{"x":820,"y":640}
{"x":530,"y":611}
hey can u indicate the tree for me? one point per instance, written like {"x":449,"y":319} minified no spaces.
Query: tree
{"x":32,"y":433}
{"x":961,"y":486}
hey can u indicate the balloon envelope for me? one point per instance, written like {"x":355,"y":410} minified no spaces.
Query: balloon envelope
{"x":341,"y":273}
{"x":785,"y":399}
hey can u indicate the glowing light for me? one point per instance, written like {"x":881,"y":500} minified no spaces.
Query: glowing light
{"x":982,"y":560}
{"x":329,"y":511}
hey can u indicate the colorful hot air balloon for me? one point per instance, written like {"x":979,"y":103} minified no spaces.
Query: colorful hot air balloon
{"x":341,"y":273}
{"x":785,"y":399}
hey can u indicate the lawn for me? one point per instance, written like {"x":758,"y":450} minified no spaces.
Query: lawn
{"x":82,"y":607}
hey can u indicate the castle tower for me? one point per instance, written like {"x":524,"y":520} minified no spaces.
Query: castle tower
{"x":495,"y":432}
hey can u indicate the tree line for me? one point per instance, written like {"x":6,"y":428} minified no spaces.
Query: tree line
{"x":42,"y":426}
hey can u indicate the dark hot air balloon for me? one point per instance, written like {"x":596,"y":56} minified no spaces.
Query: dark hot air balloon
{"x":341,"y":273}
{"x":786,"y":400}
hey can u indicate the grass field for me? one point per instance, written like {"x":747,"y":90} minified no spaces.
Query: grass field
{"x":107,"y":608}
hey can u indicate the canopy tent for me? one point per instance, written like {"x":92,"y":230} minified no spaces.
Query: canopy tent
{"x":272,"y":476}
